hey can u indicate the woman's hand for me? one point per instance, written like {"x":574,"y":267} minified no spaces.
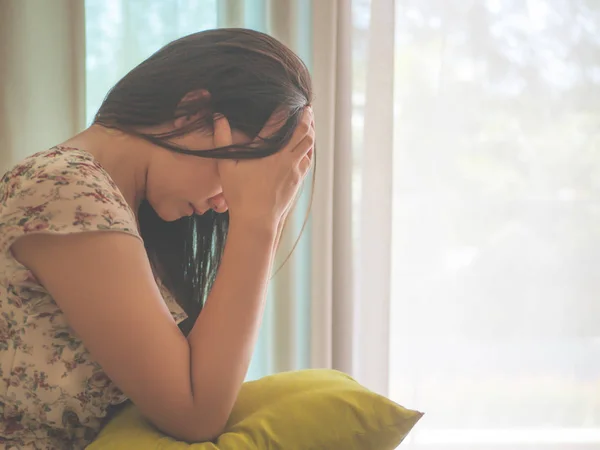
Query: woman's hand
{"x":260,"y":190}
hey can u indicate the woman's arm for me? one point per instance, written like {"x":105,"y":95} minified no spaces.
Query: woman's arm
{"x":103,"y":283}
{"x":224,"y":336}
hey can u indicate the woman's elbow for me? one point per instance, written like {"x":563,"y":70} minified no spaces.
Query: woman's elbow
{"x":197,"y":430}
{"x":202,"y":434}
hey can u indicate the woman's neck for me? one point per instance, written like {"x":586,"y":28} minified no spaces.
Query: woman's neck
{"x":126,"y":159}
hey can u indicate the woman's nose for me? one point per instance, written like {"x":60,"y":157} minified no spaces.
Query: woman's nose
{"x":218,"y":203}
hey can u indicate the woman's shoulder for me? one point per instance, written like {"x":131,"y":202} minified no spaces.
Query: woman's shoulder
{"x":55,"y":169}
{"x":62,"y":190}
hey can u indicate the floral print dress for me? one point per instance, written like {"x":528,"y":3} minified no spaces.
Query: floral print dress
{"x":53,"y":395}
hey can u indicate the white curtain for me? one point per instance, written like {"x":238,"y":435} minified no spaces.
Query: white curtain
{"x":332,"y":299}
{"x":476,"y":205}
{"x":375,"y":209}
{"x":42,"y":93}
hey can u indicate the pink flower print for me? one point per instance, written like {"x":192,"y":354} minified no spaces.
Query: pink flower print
{"x":83,"y":397}
{"x":115,"y":395}
{"x":70,"y":366}
{"x":88,"y":169}
{"x":10,"y":410}
{"x":34,"y":210}
{"x":12,"y":425}
{"x":82,"y":218}
{"x":99,"y":380}
{"x":123,"y":204}
{"x":5,"y":196}
{"x":108,"y":216}
{"x":98,"y":195}
{"x":53,"y":153}
{"x":60,"y":180}
{"x":39,"y":380}
{"x":35,"y":225}
{"x":41,"y":177}
{"x":43,"y":315}
{"x":20,"y":170}
{"x":18,"y":374}
{"x":97,"y":165}
{"x":4,"y":336}
{"x":14,"y":186}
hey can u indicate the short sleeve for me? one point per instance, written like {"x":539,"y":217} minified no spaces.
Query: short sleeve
{"x":61,"y":192}
{"x":175,"y":309}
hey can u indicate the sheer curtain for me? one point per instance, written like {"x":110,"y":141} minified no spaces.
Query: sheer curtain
{"x":482,"y":210}
{"x":41,"y":75}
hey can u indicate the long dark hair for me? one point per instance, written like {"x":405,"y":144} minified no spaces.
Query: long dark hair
{"x":249,"y":75}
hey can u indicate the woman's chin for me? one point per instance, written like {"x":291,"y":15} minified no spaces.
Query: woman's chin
{"x":171,"y":216}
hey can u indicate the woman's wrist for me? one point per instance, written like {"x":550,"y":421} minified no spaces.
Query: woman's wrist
{"x":260,"y":227}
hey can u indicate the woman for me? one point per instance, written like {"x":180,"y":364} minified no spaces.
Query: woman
{"x":172,"y":202}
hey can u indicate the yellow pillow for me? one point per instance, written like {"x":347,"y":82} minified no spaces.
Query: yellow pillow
{"x":309,"y":409}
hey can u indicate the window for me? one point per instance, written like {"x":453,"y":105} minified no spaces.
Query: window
{"x":122,"y":33}
{"x":495,"y":324}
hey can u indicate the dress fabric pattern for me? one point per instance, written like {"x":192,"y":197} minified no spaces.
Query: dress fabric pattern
{"x":52,"y":394}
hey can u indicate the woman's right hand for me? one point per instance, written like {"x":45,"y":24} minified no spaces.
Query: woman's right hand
{"x":263,"y":189}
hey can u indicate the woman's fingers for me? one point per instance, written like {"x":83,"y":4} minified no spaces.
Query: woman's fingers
{"x":277,"y":120}
{"x":222,"y":131}
{"x":304,"y":129}
{"x":310,"y":153}
{"x":304,"y":147}
{"x":305,"y":165}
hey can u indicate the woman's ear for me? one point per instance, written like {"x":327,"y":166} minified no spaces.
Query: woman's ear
{"x":191,"y":102}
